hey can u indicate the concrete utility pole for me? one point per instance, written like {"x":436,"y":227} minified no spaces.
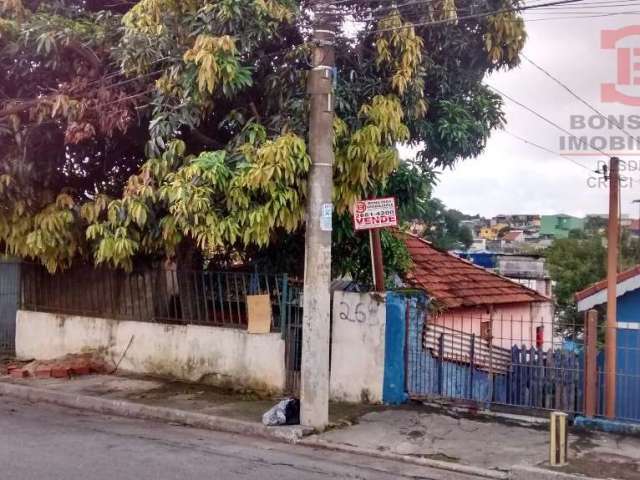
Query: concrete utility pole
{"x":612,"y":283}
{"x":314,"y":384}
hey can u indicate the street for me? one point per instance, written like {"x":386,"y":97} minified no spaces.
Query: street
{"x":46,"y":442}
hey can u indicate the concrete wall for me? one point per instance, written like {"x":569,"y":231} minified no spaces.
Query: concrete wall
{"x":188,"y":352}
{"x":358,"y":347}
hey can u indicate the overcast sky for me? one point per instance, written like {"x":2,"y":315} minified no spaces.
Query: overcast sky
{"x":514,"y":177}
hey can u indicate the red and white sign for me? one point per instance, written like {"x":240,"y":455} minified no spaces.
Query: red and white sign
{"x":375,"y":213}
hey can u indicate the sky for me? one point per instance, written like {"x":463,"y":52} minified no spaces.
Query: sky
{"x":512,"y":176}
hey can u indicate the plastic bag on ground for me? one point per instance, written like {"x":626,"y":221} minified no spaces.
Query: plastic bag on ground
{"x":286,"y":412}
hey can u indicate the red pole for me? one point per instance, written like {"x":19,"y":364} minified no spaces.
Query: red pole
{"x":612,"y":282}
{"x":590,"y":363}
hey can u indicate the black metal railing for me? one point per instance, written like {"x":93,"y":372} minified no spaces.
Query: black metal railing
{"x":155,"y":294}
{"x":9,"y":295}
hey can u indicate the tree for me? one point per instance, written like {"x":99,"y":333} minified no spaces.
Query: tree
{"x":578,"y":261}
{"x":574,"y":264}
{"x":158,"y":127}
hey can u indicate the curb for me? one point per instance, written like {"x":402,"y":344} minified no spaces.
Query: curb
{"x":523,"y":472}
{"x":287,"y":434}
{"x":423,"y":462}
{"x":290,"y":434}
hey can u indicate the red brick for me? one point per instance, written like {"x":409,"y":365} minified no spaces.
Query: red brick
{"x":80,"y":369}
{"x":98,"y":366}
{"x":19,"y":373}
{"x":60,"y":372}
{"x":43,"y":372}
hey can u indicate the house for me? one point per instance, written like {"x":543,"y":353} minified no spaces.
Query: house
{"x":526,"y":269}
{"x":559,"y":226}
{"x":479,"y":244}
{"x":627,"y":336}
{"x":474,"y":300}
{"x":514,"y":236}
{"x":520,"y":221}
{"x":492,"y":232}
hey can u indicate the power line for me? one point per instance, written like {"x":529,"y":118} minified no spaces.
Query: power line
{"x":530,"y":7}
{"x":575,"y":95}
{"x":479,"y":15}
{"x":580,"y":17}
{"x":540,"y":116}
{"x":548,"y":150}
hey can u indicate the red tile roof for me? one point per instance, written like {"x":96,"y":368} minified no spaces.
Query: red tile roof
{"x":602,"y":284}
{"x":512,"y":235}
{"x":455,"y":282}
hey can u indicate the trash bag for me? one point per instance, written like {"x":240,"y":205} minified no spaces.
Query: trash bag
{"x":286,"y":412}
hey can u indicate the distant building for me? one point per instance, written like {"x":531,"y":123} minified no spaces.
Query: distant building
{"x":492,"y":232}
{"x":528,"y":270}
{"x":418,"y":227}
{"x":479,"y":244}
{"x":602,"y":219}
{"x":514,"y":236}
{"x":519,"y":221}
{"x":559,"y":226}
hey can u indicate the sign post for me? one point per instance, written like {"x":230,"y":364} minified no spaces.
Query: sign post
{"x":373,"y":215}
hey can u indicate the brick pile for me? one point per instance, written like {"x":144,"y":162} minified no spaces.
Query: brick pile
{"x":66,"y":367}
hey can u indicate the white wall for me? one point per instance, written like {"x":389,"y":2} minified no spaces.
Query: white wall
{"x":188,"y":352}
{"x":358,"y":347}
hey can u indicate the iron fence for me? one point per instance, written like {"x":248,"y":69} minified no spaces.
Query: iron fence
{"x":292,"y":333}
{"x":9,"y":295}
{"x":154,"y":294}
{"x":524,"y":360}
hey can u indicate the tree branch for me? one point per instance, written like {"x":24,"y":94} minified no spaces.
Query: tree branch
{"x":206,"y":139}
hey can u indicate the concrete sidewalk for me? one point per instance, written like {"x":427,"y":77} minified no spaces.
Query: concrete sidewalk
{"x":489,"y":443}
{"x":477,"y":445}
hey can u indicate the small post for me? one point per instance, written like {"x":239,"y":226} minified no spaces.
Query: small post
{"x":558,"y":439}
{"x":590,"y":363}
{"x":472,"y":364}
{"x":441,"y":364}
{"x":377,"y":265}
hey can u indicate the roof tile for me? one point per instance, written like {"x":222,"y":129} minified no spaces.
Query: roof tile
{"x":455,"y":282}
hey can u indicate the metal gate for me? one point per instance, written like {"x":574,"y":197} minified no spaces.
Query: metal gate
{"x":9,"y":298}
{"x":291,"y":324}
{"x":507,"y":361}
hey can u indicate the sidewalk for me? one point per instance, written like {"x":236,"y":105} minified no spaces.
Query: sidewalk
{"x":483,"y":446}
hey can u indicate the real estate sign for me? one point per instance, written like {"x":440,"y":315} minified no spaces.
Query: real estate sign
{"x":375,"y":213}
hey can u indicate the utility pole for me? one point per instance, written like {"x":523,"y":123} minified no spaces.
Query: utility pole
{"x":612,"y":284}
{"x":314,"y":384}
{"x":377,"y":263}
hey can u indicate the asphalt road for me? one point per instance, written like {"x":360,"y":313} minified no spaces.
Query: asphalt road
{"x":46,"y":442}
